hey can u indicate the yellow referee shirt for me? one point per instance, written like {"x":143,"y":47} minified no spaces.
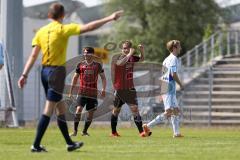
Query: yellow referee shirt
{"x":53,"y":40}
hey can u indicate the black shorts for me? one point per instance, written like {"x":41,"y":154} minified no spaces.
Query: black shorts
{"x":123,"y":96}
{"x":91,"y":103}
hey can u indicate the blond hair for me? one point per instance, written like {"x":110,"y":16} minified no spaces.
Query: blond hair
{"x":171,"y":44}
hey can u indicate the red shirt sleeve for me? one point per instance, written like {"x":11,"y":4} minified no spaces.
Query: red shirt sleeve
{"x":134,"y":59}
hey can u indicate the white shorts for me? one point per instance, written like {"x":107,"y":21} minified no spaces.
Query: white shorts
{"x":170,"y":101}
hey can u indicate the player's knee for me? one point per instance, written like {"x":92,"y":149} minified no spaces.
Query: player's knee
{"x":77,"y":117}
{"x":176,"y":111}
{"x":79,"y":110}
{"x":116,"y":111}
{"x":48,"y":113}
{"x":134,"y":110}
{"x":90,"y":116}
{"x":60,"y":112}
{"x":168,"y":113}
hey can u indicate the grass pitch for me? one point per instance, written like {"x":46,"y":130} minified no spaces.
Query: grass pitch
{"x":198,"y":144}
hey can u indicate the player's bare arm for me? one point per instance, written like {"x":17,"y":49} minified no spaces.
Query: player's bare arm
{"x":176,"y":78}
{"x":98,"y":23}
{"x":104,"y":84}
{"x":74,"y":81}
{"x":141,"y":48}
{"x":124,"y":60}
{"x":30,"y":62}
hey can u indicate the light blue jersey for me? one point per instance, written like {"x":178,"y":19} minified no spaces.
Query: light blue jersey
{"x":170,"y":65}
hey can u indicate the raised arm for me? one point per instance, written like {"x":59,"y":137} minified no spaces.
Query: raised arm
{"x":98,"y":23}
{"x":141,"y":47}
{"x":30,"y":62}
{"x":124,"y":60}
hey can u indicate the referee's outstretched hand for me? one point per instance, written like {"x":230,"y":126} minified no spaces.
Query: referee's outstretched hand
{"x":116,"y":15}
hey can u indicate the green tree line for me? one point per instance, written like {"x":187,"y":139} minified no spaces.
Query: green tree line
{"x":154,"y":22}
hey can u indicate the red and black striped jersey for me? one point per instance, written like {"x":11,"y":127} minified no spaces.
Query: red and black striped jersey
{"x":88,"y":77}
{"x":123,"y":78}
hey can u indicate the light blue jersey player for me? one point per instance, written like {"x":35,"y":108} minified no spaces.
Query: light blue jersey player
{"x":170,"y":65}
{"x":170,"y":76}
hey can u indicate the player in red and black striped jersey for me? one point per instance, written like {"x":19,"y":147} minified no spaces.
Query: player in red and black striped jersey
{"x":87,"y":71}
{"x":124,"y":77}
{"x":125,"y":92}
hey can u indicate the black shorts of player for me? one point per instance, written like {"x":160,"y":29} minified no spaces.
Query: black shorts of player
{"x":123,"y":96}
{"x":91,"y":103}
{"x":53,"y":81}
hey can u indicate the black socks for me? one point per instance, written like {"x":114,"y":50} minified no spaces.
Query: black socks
{"x":114,"y":120}
{"x":42,"y":126}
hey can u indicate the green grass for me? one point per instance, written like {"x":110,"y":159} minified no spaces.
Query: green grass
{"x":198,"y":144}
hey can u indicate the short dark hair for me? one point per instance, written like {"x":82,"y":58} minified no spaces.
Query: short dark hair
{"x":88,"y":50}
{"x":56,"y":10}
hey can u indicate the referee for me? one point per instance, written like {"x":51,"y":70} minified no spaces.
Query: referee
{"x":52,"y":40}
